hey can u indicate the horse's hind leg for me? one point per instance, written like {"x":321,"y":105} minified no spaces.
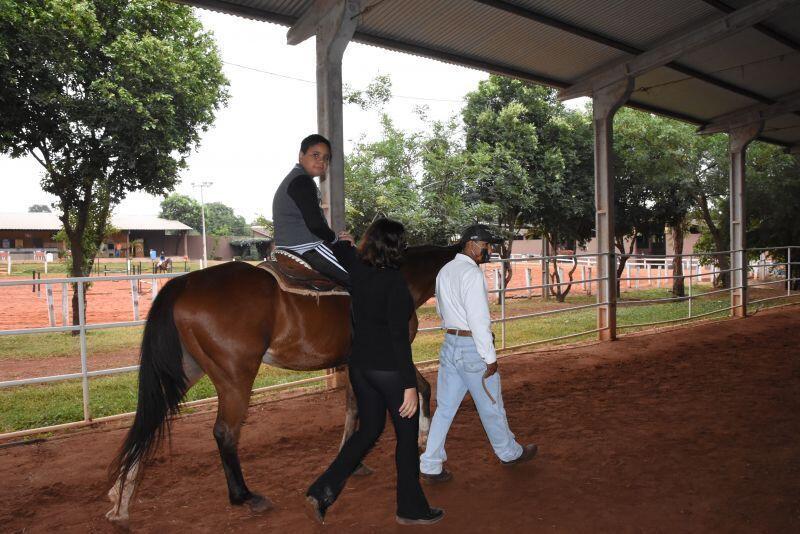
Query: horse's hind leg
{"x":424,"y":390}
{"x":119,"y":512}
{"x":233,"y":403}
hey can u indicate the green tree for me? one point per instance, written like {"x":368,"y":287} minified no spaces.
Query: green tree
{"x":531,"y":160}
{"x":380,"y":180}
{"x":260,"y":220}
{"x":181,"y":208}
{"x":39,"y":208}
{"x":222,"y":221}
{"x":109,"y":96}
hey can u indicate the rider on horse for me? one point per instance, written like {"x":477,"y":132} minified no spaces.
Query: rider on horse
{"x":300,"y":225}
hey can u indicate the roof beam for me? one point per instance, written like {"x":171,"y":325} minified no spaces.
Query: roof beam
{"x":675,"y":47}
{"x":306,"y":26}
{"x":753,"y":114}
{"x":763,"y":28}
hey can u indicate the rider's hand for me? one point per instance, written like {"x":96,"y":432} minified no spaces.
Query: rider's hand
{"x":490,"y":370}
{"x":410,"y":400}
{"x":344,"y":236}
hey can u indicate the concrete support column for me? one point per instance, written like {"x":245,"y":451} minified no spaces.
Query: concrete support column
{"x":739,"y":138}
{"x":334,"y":23}
{"x":605,"y":103}
{"x":333,"y":35}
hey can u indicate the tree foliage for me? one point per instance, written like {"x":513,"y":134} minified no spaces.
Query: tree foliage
{"x":220,"y":219}
{"x":109,"y":96}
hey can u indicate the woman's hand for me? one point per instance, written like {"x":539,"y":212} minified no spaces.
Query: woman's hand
{"x":410,"y":401}
{"x":345,"y":236}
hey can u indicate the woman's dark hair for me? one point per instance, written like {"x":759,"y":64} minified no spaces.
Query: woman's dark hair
{"x":311,"y":140}
{"x":383,"y":245}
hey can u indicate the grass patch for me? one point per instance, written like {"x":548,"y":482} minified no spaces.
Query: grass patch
{"x":38,"y":346}
{"x":52,"y":404}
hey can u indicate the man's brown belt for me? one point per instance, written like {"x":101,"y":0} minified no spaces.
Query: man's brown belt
{"x":462,"y":333}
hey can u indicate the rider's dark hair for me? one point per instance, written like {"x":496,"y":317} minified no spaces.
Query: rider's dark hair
{"x":384,"y":244}
{"x":311,"y":140}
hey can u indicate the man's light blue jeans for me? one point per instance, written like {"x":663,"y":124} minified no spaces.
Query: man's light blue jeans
{"x":461,"y":369}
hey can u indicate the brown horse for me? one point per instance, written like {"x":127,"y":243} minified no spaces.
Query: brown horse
{"x":225,"y":321}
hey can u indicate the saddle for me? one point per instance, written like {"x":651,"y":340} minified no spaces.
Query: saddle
{"x":295,"y":275}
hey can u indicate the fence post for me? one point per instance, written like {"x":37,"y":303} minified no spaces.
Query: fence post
{"x":589,"y":291}
{"x":87,"y":415}
{"x":788,"y":271}
{"x":135,"y":299}
{"x":628,"y":271}
{"x":8,"y":259}
{"x":45,"y":265}
{"x":545,"y":279}
{"x":497,"y":285}
{"x":691,"y":272}
{"x":528,"y":281}
{"x":51,"y":312}
{"x":154,"y":288}
{"x":503,"y":306}
{"x":64,"y":306}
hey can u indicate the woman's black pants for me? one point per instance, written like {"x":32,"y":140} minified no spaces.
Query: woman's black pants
{"x":376,"y":392}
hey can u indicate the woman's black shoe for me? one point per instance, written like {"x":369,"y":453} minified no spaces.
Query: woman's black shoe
{"x":434,"y":516}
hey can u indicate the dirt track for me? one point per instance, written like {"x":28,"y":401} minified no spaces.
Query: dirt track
{"x":691,"y":430}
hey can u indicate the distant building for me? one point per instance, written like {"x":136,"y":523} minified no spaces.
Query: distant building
{"x":29,"y":235}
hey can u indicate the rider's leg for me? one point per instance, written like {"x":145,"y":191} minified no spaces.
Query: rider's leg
{"x":324,"y":262}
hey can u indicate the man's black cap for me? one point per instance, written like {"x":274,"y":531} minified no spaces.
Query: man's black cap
{"x":479,"y":232}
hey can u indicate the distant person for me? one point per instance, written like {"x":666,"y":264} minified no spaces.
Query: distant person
{"x":467,"y":359}
{"x":299,"y":221}
{"x":382,"y":373}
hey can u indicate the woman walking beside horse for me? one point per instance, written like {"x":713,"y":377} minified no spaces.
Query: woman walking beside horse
{"x":381,"y":372}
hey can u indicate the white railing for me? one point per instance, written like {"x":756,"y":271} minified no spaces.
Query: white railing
{"x":691,"y":262}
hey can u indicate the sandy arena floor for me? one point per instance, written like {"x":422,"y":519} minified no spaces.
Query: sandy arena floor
{"x":690,"y":430}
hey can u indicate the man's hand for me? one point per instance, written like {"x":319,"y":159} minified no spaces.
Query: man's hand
{"x":410,"y":401}
{"x":490,"y":370}
{"x":344,"y":236}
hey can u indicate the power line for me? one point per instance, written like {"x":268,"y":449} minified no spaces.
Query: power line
{"x":312,"y":82}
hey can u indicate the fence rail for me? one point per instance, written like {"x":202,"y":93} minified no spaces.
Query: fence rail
{"x":648,"y":264}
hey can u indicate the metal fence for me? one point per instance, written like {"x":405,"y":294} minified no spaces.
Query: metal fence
{"x":696,"y":266}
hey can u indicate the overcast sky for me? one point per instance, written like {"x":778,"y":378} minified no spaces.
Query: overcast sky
{"x":254,"y":141}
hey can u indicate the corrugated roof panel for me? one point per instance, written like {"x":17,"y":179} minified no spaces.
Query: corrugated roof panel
{"x":785,"y":128}
{"x":751,"y":60}
{"x":676,"y":92}
{"x":490,"y":34}
{"x":634,"y":22}
{"x":474,"y":34}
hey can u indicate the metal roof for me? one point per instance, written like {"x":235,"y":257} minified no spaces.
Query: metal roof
{"x":556,"y":42}
{"x":51,"y":222}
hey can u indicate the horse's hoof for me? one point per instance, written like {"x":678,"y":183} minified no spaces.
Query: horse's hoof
{"x":259,"y":504}
{"x":362,"y":471}
{"x":117,"y":520}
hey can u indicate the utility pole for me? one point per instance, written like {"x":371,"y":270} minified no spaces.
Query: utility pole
{"x":203,"y":185}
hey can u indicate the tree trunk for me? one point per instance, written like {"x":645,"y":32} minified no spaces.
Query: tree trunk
{"x":677,"y":261}
{"x":722,"y":261}
{"x":619,"y":242}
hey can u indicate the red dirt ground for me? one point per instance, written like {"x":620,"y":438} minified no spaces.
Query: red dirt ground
{"x":689,"y":430}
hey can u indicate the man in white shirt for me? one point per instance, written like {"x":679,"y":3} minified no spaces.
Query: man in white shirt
{"x":467,"y":360}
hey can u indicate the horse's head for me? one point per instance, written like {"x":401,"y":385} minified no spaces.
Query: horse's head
{"x":421,"y":266}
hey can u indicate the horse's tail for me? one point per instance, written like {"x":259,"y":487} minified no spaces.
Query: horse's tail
{"x":162,"y":384}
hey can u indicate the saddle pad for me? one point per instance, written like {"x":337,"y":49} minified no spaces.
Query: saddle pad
{"x":296,"y":276}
